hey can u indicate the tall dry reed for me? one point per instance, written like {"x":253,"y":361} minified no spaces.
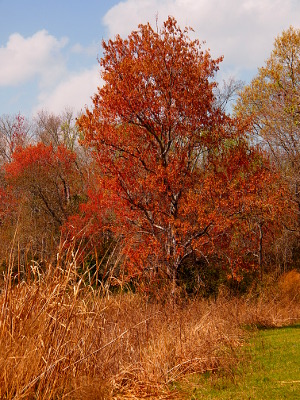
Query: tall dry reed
{"x":62,"y":339}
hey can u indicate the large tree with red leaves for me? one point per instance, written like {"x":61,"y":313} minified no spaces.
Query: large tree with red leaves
{"x":175,"y":171}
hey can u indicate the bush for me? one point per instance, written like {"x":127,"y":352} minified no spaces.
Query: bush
{"x":289,"y":285}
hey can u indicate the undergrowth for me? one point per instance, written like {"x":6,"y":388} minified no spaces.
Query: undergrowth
{"x":60,"y":338}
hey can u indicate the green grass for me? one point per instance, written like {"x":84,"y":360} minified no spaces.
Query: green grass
{"x":269,"y":369}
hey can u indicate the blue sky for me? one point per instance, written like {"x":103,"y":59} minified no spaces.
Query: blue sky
{"x":49,"y":48}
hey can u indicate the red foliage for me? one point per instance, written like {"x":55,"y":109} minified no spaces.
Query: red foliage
{"x":46,"y":176}
{"x":40,"y":157}
{"x":176,"y":174}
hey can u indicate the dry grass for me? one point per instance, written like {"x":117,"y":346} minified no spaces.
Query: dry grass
{"x":61,"y":339}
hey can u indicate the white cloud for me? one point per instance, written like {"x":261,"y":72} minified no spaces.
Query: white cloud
{"x":241,"y":30}
{"x":91,"y":50}
{"x":43,"y":57}
{"x":23,"y":59}
{"x":75,"y":92}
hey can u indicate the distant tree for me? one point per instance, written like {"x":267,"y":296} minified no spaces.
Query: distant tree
{"x":47,"y":175}
{"x":14,"y":132}
{"x":227,"y":93}
{"x":47,"y":186}
{"x":56,"y":129}
{"x":61,"y":130}
{"x":272,"y":102}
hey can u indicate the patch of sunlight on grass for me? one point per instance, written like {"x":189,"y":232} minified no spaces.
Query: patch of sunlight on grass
{"x":270,"y":369}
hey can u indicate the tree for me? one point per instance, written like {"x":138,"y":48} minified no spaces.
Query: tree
{"x":272,"y":101}
{"x":226,"y":94}
{"x":46,"y":184}
{"x":56,"y":129}
{"x":14,"y":132}
{"x":175,"y":171}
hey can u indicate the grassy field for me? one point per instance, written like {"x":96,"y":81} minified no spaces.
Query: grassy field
{"x":62,"y":338}
{"x":269,"y":369}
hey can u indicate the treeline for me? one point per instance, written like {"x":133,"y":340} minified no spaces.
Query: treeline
{"x":157,"y":184}
{"x":43,"y":180}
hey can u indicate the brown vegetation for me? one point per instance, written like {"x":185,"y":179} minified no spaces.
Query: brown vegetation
{"x":167,"y":193}
{"x":60,"y":338}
